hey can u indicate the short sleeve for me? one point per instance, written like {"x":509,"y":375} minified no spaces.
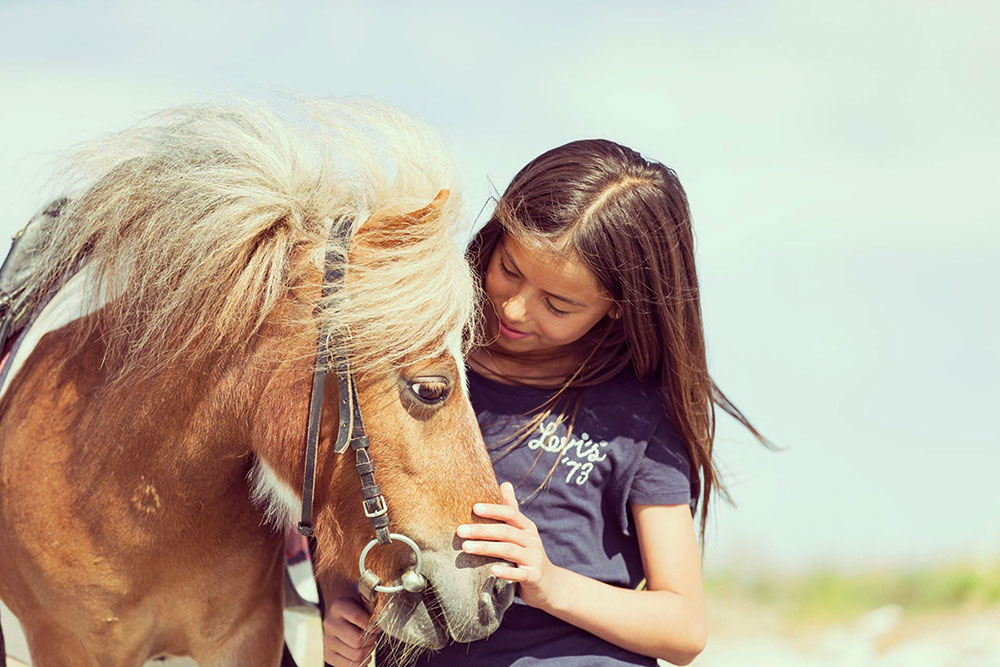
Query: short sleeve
{"x":662,"y":474}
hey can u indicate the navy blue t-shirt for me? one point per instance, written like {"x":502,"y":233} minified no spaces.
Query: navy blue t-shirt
{"x":623,"y":449}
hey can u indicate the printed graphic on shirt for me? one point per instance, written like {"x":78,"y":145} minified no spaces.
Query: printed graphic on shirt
{"x":577,"y":455}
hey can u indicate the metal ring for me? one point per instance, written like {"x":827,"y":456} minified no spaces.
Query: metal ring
{"x":392,"y":536}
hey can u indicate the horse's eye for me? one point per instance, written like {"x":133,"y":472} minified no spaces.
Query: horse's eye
{"x":431,"y":391}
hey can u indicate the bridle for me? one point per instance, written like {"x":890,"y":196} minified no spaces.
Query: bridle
{"x":351,"y":432}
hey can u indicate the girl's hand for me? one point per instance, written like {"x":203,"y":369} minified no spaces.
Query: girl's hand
{"x":345,"y":642}
{"x":515,"y":540}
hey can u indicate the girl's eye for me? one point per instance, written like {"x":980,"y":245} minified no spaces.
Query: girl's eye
{"x":431,"y":391}
{"x":554,"y":309}
{"x":503,"y":267}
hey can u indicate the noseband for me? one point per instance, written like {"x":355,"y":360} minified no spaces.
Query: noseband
{"x":350,"y":432}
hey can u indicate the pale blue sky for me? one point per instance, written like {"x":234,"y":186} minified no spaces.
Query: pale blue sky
{"x":838,"y":158}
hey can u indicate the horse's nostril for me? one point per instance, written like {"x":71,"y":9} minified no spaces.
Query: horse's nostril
{"x":498,"y":594}
{"x":485,"y":610}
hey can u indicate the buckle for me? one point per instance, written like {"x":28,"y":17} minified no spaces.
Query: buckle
{"x":380,"y":508}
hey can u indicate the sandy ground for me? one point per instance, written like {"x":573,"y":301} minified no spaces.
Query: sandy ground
{"x":742,"y":634}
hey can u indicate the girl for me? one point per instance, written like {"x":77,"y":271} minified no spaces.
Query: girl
{"x":593,"y":395}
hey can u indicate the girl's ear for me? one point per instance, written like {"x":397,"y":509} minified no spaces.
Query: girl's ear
{"x":616,"y":312}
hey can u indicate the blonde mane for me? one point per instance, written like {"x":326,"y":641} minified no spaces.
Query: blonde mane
{"x":201,"y":221}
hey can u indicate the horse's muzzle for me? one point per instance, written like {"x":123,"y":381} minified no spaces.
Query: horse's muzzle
{"x":462,"y":603}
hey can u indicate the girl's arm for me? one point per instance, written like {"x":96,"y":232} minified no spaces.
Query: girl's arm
{"x":665,"y":621}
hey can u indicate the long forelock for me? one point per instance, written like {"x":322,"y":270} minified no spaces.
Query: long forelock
{"x":405,"y":303}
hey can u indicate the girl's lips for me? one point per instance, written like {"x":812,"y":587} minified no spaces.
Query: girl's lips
{"x":513,"y":334}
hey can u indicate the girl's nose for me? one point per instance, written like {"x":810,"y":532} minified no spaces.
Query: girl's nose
{"x":513,"y":308}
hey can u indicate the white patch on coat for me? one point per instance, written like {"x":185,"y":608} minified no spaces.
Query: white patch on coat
{"x":282,"y":507}
{"x":70,"y":303}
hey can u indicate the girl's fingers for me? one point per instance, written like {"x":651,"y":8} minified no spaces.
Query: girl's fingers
{"x":507,"y":492}
{"x":345,"y":656}
{"x":493,"y":531}
{"x":350,"y":610}
{"x":342,"y":632}
{"x":508,"y":573}
{"x":503,"y":550}
{"x":349,"y":648}
{"x":347,"y":639}
{"x":342,"y":654}
{"x":504,"y":513}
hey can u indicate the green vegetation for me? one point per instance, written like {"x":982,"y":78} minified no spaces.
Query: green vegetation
{"x":830,"y":595}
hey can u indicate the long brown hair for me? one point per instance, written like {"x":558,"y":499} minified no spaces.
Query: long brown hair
{"x":627,"y":218}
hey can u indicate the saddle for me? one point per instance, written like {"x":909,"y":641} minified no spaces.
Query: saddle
{"x":14,"y":273}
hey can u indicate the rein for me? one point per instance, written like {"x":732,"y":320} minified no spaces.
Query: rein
{"x":351,"y":431}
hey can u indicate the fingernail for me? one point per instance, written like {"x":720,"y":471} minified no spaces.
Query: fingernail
{"x":463,"y":531}
{"x":468,"y":546}
{"x":478,"y":507}
{"x":495,"y":569}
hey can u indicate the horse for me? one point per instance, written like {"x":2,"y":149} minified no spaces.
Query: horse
{"x":206,"y":269}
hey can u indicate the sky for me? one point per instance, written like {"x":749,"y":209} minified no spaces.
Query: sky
{"x":837,"y":157}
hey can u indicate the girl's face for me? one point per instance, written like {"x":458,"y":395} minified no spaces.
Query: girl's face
{"x":541,"y":300}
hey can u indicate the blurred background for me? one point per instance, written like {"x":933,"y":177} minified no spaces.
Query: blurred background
{"x":838,"y":158}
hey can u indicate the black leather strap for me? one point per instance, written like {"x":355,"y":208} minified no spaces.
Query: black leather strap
{"x":351,"y":429}
{"x":374,"y":502}
{"x":345,"y":384}
{"x":333,"y":273}
{"x":312,"y":439}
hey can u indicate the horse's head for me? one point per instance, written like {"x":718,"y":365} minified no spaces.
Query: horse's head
{"x":205,"y":235}
{"x":432,"y":466}
{"x":430,"y":460}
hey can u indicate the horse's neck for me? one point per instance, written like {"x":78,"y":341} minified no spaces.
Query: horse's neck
{"x":180,"y":444}
{"x":176,"y":445}
{"x":257,"y":409}
{"x":177,"y":432}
